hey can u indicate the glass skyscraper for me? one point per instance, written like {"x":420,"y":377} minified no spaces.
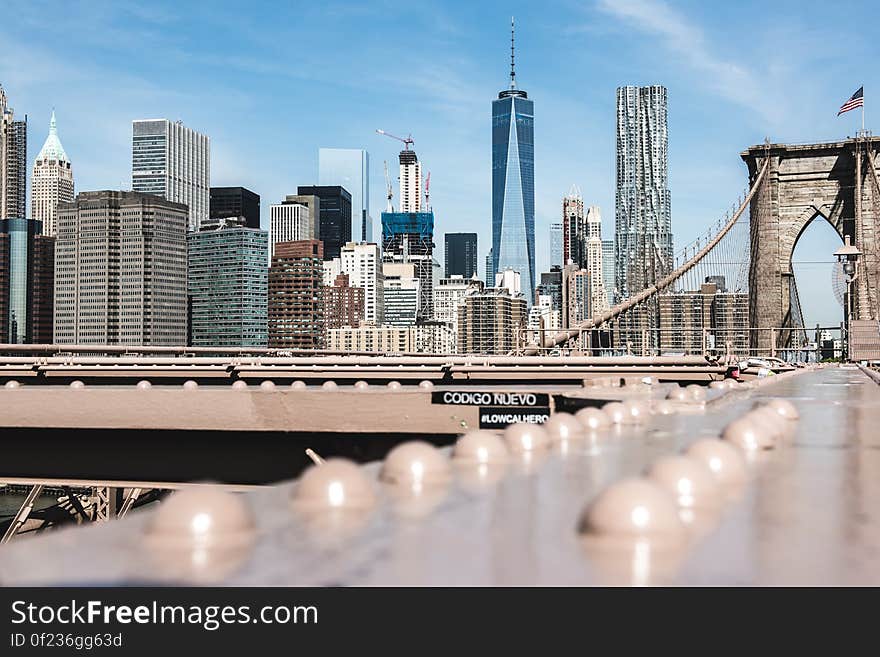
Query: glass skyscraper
{"x":228,"y":287}
{"x":350,"y":168}
{"x":513,"y":183}
{"x":26,"y":282}
{"x":460,"y":255}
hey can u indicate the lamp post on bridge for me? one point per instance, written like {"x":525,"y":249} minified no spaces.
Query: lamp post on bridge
{"x":848,"y":256}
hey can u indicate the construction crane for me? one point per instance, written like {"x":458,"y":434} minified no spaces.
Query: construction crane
{"x":390,"y":193}
{"x":407,"y":142}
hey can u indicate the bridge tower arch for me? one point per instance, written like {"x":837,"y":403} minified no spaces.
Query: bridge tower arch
{"x":836,"y":181}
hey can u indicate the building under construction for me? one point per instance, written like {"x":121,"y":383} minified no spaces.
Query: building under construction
{"x":408,"y":237}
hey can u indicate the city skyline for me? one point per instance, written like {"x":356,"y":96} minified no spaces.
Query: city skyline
{"x":721,"y":100}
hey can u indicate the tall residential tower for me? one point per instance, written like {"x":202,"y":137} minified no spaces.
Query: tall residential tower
{"x":513,"y":182}
{"x":52,"y":181}
{"x":643,"y":229}
{"x":642,"y":222}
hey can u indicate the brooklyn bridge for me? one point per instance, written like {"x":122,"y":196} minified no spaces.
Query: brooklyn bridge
{"x":463,"y":457}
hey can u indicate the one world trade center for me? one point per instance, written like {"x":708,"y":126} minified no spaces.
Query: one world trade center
{"x":513,"y":183}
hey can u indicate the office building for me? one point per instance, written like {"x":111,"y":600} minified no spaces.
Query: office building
{"x":556,"y":244}
{"x":491,"y":322}
{"x":433,"y":338}
{"x":643,"y":229}
{"x":334,"y":216}
{"x":448,"y":295}
{"x":174,"y":162}
{"x":510,"y":280}
{"x":228,"y":286}
{"x":51,"y":181}
{"x":513,"y":182}
{"x":608,"y":270}
{"x":575,"y":296}
{"x":13,"y":162}
{"x":401,"y":289}
{"x":237,"y":205}
{"x":363,"y":266}
{"x":295,"y":219}
{"x":428,"y":338}
{"x":598,"y":296}
{"x":296,"y":308}
{"x":343,"y":304}
{"x":120,"y":270}
{"x":551,"y":285}
{"x":26,"y":282}
{"x":460,"y":254}
{"x":544,"y":319}
{"x":350,"y":168}
{"x":408,"y":237}
{"x":574,"y":229}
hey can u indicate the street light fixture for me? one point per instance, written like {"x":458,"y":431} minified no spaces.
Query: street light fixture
{"x":848,"y":256}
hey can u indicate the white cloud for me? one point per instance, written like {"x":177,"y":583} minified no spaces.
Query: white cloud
{"x":687,"y":41}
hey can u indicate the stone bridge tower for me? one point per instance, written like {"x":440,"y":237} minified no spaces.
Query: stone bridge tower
{"x":836,"y":182}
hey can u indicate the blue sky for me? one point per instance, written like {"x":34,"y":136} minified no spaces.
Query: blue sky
{"x":273,"y":82}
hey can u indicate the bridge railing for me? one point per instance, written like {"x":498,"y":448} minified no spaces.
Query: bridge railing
{"x":733,"y":344}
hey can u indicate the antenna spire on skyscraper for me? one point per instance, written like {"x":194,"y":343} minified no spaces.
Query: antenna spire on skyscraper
{"x":512,"y":65}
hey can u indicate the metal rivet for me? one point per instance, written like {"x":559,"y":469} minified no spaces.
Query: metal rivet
{"x":329,"y":385}
{"x":239,"y":385}
{"x":361,"y":385}
{"x":202,"y":515}
{"x":394,"y":385}
{"x":636,"y":411}
{"x":335,"y":484}
{"x":633,"y":508}
{"x":562,"y":427}
{"x":723,"y":460}
{"x":678,"y":394}
{"x":745,"y":433}
{"x":696,"y":392}
{"x":783,"y":408}
{"x":267,"y":386}
{"x":298,"y":385}
{"x":592,"y":418}
{"x":663,"y":407}
{"x":773,"y":423}
{"x":688,"y":480}
{"x":144,"y":385}
{"x":202,"y":535}
{"x":426,"y":385}
{"x":12,"y":385}
{"x":525,"y":437}
{"x":77,"y":385}
{"x":615,"y":412}
{"x":415,"y":464}
{"x":190,"y":385}
{"x":480,"y":447}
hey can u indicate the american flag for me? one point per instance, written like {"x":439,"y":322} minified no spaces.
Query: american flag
{"x":857,"y":100}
